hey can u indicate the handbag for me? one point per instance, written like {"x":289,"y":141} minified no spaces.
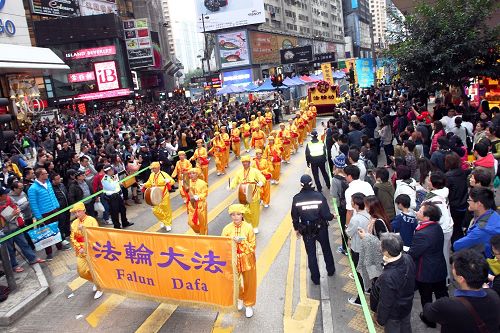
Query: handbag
{"x":480,"y":324}
{"x":45,"y":236}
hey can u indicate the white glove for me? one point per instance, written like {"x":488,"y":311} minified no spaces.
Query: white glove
{"x":260,"y":184}
{"x":196,"y":197}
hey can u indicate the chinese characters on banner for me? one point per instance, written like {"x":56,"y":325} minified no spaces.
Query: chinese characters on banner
{"x":138,"y":42}
{"x":81,"y":77}
{"x":364,"y":72}
{"x":326,"y":68}
{"x":178,"y":268}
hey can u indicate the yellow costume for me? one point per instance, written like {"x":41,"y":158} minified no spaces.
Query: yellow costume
{"x":227,"y":142}
{"x":246,"y":133}
{"x":235,"y":140}
{"x":180,"y":170}
{"x":163,"y":211}
{"x":314,"y":114}
{"x":294,"y":135}
{"x":258,"y":139}
{"x":265,"y":168}
{"x":284,"y":140}
{"x":272,"y":154}
{"x":301,"y":126}
{"x":250,"y":175}
{"x":77,"y":240}
{"x":269,"y":120}
{"x":197,"y":209}
{"x":219,"y":151}
{"x":245,"y":253}
{"x":201,"y":157}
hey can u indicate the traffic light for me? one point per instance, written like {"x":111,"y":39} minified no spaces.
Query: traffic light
{"x":277,"y":80}
{"x":6,"y":132}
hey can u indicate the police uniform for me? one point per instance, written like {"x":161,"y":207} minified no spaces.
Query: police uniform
{"x":310,"y":213}
{"x":112,"y":194}
{"x":316,"y":158}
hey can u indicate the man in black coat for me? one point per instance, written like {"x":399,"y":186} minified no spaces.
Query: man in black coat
{"x":427,"y":252}
{"x":392,"y":297}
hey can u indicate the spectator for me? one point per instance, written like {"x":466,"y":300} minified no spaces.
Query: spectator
{"x":6,"y":177}
{"x":456,"y":180}
{"x":459,"y":130}
{"x":484,"y":159}
{"x":410,"y":159}
{"x":354,"y":159}
{"x":439,"y":155}
{"x":480,"y":178}
{"x":21,"y":200}
{"x":493,"y":135}
{"x":386,"y":139}
{"x":384,"y":191}
{"x":406,"y":221}
{"x":437,"y":132}
{"x":392,"y":296}
{"x":338,"y":188}
{"x":354,"y":135}
{"x":62,"y":197}
{"x":405,"y":185}
{"x":479,"y":133}
{"x":87,"y":168}
{"x":28,"y":178}
{"x":78,"y":189}
{"x":355,"y":185}
{"x":472,"y":309}
{"x":494,"y":264}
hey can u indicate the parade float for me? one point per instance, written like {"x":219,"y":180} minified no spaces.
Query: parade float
{"x":324,"y":96}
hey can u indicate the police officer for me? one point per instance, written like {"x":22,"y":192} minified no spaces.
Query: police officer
{"x":316,"y":158}
{"x":310,"y":216}
{"x":163,"y":157}
{"x":112,"y":194}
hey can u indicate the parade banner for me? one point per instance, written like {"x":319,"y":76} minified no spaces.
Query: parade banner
{"x":326,"y":68}
{"x":364,"y":71}
{"x":184,"y":269}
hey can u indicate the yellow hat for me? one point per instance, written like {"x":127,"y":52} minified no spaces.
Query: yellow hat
{"x":181,"y":152}
{"x":252,"y":116}
{"x":243,"y":120}
{"x":199,"y":141}
{"x":270,"y":137}
{"x":245,"y":158}
{"x":223,"y":127}
{"x":78,"y":206}
{"x":282,"y":124}
{"x":234,"y":123}
{"x":258,"y":151}
{"x":194,"y":170}
{"x":258,"y":112}
{"x":155,"y":165}
{"x":237,"y":208}
{"x":216,"y":133}
{"x":256,"y":126}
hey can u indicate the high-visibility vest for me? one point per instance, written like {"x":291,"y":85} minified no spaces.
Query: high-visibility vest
{"x":316,"y":148}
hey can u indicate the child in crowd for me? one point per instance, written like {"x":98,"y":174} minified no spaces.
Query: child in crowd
{"x":406,"y":221}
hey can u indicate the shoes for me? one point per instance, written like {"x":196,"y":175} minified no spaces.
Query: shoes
{"x":341,"y":250}
{"x":171,"y":190}
{"x":315,"y":282}
{"x":240,"y":304}
{"x":426,"y":322}
{"x":249,"y":312}
{"x":276,"y":182}
{"x":320,"y":189}
{"x":127,"y":225}
{"x":98,"y":294}
{"x":37,"y":261}
{"x":331,"y":273}
{"x":136,"y":200}
{"x":354,"y":301}
{"x":266,"y":206}
{"x":18,"y":269}
{"x":108,"y":222}
{"x":168,"y":228}
{"x":127,"y":203}
{"x":50,"y":257}
{"x":65,"y":242}
{"x":255,"y":230}
{"x":368,"y":292}
{"x":94,"y":288}
{"x":117,"y":227}
{"x":218,"y":173}
{"x":65,"y":248}
{"x":351,"y":276}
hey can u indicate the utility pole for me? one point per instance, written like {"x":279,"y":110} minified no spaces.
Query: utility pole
{"x":207,"y":56}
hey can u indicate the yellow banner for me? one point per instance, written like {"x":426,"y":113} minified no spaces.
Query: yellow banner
{"x":192,"y":270}
{"x":326,"y":68}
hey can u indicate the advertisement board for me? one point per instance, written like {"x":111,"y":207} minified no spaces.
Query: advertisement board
{"x":240,"y":77}
{"x":62,"y":8}
{"x":138,"y":43}
{"x":296,"y":54}
{"x":90,"y":53}
{"x":106,"y":75}
{"x":97,"y":7}
{"x":81,"y":77}
{"x":266,"y":46}
{"x":364,"y":72}
{"x":103,"y":95}
{"x":224,"y":14}
{"x":14,"y":28}
{"x":233,"y":49}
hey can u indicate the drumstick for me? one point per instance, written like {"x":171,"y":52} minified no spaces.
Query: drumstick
{"x":229,"y":182}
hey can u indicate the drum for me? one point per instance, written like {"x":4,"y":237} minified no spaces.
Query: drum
{"x":153,"y":196}
{"x":246,"y":192}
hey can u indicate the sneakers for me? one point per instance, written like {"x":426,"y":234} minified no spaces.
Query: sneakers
{"x":249,"y":312}
{"x":108,"y":222}
{"x":341,"y":250}
{"x":354,"y":301}
{"x":50,"y":257}
{"x":65,"y":248}
{"x":168,"y":228}
{"x":65,"y":242}
{"x":98,"y":294}
{"x":94,"y":288}
{"x":255,"y":230}
{"x":127,"y":225}
{"x":266,"y":206}
{"x":240,"y":304}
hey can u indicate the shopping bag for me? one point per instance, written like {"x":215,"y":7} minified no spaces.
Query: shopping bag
{"x":45,"y":236}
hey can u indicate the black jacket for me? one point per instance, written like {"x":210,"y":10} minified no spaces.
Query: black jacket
{"x":75,"y":192}
{"x":458,"y":186}
{"x":396,"y":288}
{"x":427,"y":251}
{"x":309,"y":205}
{"x":316,"y":159}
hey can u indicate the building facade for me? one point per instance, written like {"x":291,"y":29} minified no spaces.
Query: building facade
{"x":358,"y":26}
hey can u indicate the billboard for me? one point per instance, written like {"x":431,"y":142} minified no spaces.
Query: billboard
{"x":13,"y":25}
{"x":62,"y":8}
{"x":266,"y":46}
{"x":364,"y":72}
{"x":106,"y":75}
{"x":296,"y":54}
{"x":97,"y":7}
{"x":103,"y":95}
{"x":224,"y":14}
{"x":90,"y":53}
{"x":138,"y":42}
{"x":240,"y":77}
{"x":81,"y":77}
{"x":233,"y":49}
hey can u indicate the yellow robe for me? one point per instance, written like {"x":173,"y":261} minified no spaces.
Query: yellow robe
{"x":236,"y":142}
{"x":246,"y":133}
{"x":77,"y":240}
{"x":266,"y":169}
{"x":251,"y":175}
{"x":269,"y":121}
{"x":284,"y":139}
{"x":301,"y":130}
{"x":273,"y":155}
{"x":199,"y":207}
{"x":294,"y":135}
{"x":227,"y":142}
{"x":181,"y":168}
{"x":258,"y":139}
{"x":219,"y":150}
{"x":201,"y":157}
{"x":163,"y":211}
{"x":245,"y":253}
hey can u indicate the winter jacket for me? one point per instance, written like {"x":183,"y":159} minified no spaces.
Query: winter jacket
{"x":405,"y":225}
{"x":440,"y":198}
{"x":486,"y":163}
{"x":396,"y":288}
{"x":22,"y":202}
{"x":408,"y":187}
{"x":434,"y":142}
{"x":42,"y":200}
{"x":458,"y":186}
{"x":385,"y":193}
{"x":437,"y":158}
{"x":479,"y":234}
{"x":370,"y":259}
{"x":427,"y":252}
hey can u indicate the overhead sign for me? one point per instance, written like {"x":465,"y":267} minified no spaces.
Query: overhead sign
{"x":138,"y":42}
{"x":62,"y":8}
{"x":237,"y":78}
{"x":266,"y":46}
{"x":324,"y":57}
{"x":102,"y":95}
{"x":106,"y":75}
{"x":224,"y":14}
{"x":81,"y":77}
{"x":97,"y":7}
{"x":233,"y":49}
{"x":179,"y":268}
{"x":13,"y":25}
{"x":90,"y":53}
{"x":296,"y":54}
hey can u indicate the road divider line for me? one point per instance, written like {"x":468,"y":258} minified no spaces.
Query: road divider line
{"x":103,"y":309}
{"x":290,"y":277}
{"x":160,"y":315}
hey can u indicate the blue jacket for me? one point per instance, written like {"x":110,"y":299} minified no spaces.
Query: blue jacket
{"x":405,"y":224}
{"x":427,"y":251}
{"x":42,"y":200}
{"x":480,"y":233}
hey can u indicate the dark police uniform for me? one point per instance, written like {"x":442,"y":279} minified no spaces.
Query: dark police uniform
{"x":316,"y":159}
{"x":310,"y":213}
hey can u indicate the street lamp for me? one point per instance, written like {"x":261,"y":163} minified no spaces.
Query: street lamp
{"x":203,"y":18}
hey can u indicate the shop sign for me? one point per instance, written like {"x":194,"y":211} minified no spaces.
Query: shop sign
{"x":81,"y":77}
{"x":90,"y":53}
{"x":62,"y":8}
{"x":138,"y":43}
{"x":97,"y":7}
{"x":103,"y":95}
{"x":13,"y":25}
{"x":237,"y":78}
{"x":106,"y":75}
{"x":296,"y":54}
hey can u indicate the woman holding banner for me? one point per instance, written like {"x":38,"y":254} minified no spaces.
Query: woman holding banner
{"x":78,"y":241}
{"x":242,"y":233}
{"x":196,"y":202}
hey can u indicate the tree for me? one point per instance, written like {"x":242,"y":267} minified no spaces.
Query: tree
{"x":447,"y":43}
{"x":192,"y":73}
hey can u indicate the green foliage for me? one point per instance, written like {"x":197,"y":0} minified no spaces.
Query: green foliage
{"x":447,"y":43}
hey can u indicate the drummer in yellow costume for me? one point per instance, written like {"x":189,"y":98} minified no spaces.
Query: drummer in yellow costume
{"x":218,"y":150}
{"x":258,"y":138}
{"x":301,"y":126}
{"x":262,"y":122}
{"x":197,"y":202}
{"x":201,"y":157}
{"x":272,"y":154}
{"x":254,"y":123}
{"x":77,"y":240}
{"x":241,"y":232}
{"x":284,"y":140}
{"x":161,"y":179}
{"x":246,"y":133}
{"x":225,"y":137}
{"x":181,"y":168}
{"x":265,"y":168}
{"x":252,"y":176}
{"x":269,"y":119}
{"x":236,"y":140}
{"x":294,"y":134}
{"x":308,"y":117}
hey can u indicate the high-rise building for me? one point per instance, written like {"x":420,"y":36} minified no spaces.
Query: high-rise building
{"x":358,"y":25}
{"x":378,"y":9}
{"x":168,"y":26}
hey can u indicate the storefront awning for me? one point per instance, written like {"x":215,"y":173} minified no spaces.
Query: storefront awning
{"x":28,"y":59}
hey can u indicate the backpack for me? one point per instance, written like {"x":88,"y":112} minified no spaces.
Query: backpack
{"x":341,"y":195}
{"x":420,"y":197}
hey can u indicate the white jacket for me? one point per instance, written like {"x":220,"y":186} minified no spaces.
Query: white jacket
{"x":409,"y":188}
{"x":440,"y":199}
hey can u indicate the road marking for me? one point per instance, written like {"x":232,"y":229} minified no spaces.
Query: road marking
{"x":103,"y":309}
{"x":76,"y":283}
{"x":160,"y":315}
{"x":290,"y":276}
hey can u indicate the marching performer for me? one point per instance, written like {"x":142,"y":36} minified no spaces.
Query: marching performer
{"x":314,"y":114}
{"x":201,"y":157}
{"x":235,"y":140}
{"x":269,"y":119}
{"x":294,"y":135}
{"x":196,"y":201}
{"x":219,"y":151}
{"x":161,"y":179}
{"x":284,"y":140}
{"x":241,"y":232}
{"x":265,"y":168}
{"x":272,"y":154}
{"x":246,"y":132}
{"x":249,"y":175}
{"x":301,"y":126}
{"x":262,"y":122}
{"x":180,"y":171}
{"x":254,"y":122}
{"x":258,"y":138}
{"x":77,"y":239}
{"x":227,"y":142}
